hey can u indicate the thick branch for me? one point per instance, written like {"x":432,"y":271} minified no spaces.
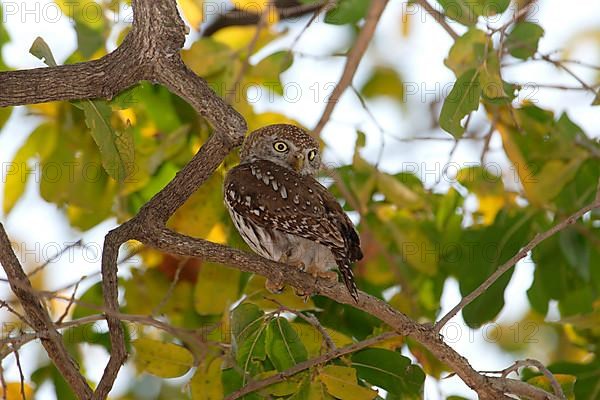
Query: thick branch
{"x":40,"y":320}
{"x":356,"y":54}
{"x":172,"y":242}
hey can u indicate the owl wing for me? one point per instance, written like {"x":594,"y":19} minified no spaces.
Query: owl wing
{"x":278,"y":198}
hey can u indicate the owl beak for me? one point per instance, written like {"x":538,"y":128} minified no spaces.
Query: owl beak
{"x":297,"y":162}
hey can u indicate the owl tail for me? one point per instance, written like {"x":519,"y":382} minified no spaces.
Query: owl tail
{"x":348,"y":277}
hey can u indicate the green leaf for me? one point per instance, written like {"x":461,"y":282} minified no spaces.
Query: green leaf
{"x":216,"y":288}
{"x":492,"y":85}
{"x":467,"y":11}
{"x":576,"y":249}
{"x":596,"y":101}
{"x":462,"y":99}
{"x":41,"y":50}
{"x":232,"y":381}
{"x":566,"y":382}
{"x":268,"y":70}
{"x":284,"y":347}
{"x":341,"y":383}
{"x":467,"y":52}
{"x":41,"y":142}
{"x":587,"y":374}
{"x":397,"y":192}
{"x":384,"y":81}
{"x":5,"y":112}
{"x":89,"y":39}
{"x":522,"y":41}
{"x":248,"y":326}
{"x":389,"y":370}
{"x":116,"y":148}
{"x":486,"y":248}
{"x":92,"y":296}
{"x":460,"y":10}
{"x":347,"y":12}
{"x":166,"y":360}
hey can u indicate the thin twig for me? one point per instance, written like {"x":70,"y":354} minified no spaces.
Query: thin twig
{"x":39,"y":319}
{"x":541,"y":367}
{"x":262,"y":22}
{"x":439,"y":17}
{"x":352,"y":62}
{"x":66,"y":312}
{"x":513,"y":260}
{"x":21,"y":376}
{"x":516,"y":17}
{"x":54,"y":257}
{"x":568,"y":70}
{"x":365,"y":107}
{"x":486,"y":143}
{"x":3,"y":381}
{"x":257,"y":385}
{"x":4,"y":304}
{"x":172,"y":286}
{"x":310,"y":319}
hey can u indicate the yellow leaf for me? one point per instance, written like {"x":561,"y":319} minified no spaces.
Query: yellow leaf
{"x":202,"y":210}
{"x":217,"y":234}
{"x":127,"y":115}
{"x":280,"y":389}
{"x":216,"y":288}
{"x":207,"y":57}
{"x":13,"y":391}
{"x":566,"y":382}
{"x":166,"y":360}
{"x":489,"y":207}
{"x":317,"y":391}
{"x":206,"y":382}
{"x":341,"y":383}
{"x":192,"y":11}
{"x":239,"y":37}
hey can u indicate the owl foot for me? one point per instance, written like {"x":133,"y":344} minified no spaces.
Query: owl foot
{"x":274,"y":287}
{"x":330,"y":277}
{"x":300,"y":293}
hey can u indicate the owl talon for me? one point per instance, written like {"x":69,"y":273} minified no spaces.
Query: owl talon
{"x":274,"y":287}
{"x":300,"y":293}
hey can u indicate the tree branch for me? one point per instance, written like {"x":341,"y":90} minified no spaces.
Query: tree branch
{"x":439,"y":17}
{"x":40,"y":320}
{"x":354,"y":58}
{"x":541,"y":367}
{"x":168,"y":241}
{"x":331,"y":355}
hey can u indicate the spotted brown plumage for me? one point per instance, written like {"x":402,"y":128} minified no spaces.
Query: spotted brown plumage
{"x":283,"y":212}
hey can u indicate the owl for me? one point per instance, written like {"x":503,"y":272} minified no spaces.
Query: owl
{"x":283,"y":213}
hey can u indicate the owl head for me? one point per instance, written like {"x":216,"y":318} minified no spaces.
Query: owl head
{"x":285,"y":145}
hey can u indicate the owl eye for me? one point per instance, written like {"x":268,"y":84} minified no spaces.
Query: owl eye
{"x":280,"y":147}
{"x":311,"y":155}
